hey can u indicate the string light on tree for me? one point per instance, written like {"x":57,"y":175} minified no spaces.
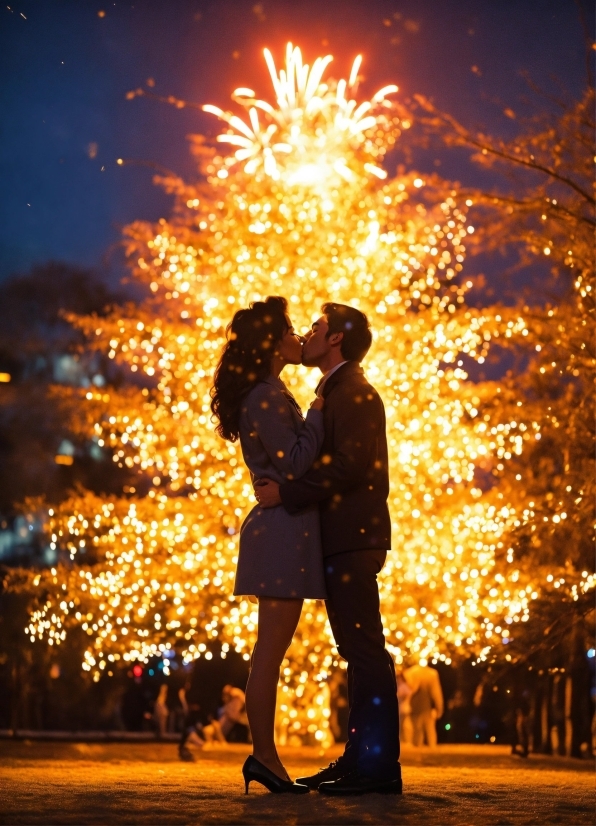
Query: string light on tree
{"x":299,"y":204}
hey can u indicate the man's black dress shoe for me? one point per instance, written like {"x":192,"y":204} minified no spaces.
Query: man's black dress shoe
{"x":355,"y":783}
{"x":338,"y":768}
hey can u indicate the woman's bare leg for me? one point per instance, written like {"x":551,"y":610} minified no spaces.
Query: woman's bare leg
{"x":278,"y":619}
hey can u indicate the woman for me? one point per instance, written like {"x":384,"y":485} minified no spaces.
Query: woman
{"x":280,"y":559}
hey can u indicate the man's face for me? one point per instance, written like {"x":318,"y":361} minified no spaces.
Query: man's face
{"x":316,"y":344}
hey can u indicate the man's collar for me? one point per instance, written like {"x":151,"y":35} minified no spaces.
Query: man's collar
{"x":327,"y":375}
{"x":330,"y":372}
{"x":337,"y":374}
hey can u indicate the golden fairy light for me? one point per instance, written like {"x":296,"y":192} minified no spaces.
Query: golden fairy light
{"x":299,"y":205}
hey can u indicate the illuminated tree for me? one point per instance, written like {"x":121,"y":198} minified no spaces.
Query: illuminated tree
{"x":548,"y":222}
{"x":552,"y":222}
{"x":301,"y":207}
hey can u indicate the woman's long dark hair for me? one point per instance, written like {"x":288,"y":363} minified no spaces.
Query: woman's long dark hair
{"x":246,"y":359}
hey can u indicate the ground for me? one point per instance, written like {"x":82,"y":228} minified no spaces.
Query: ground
{"x":144,"y":783}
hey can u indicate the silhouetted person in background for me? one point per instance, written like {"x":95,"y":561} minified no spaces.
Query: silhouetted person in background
{"x":404,"y":693}
{"x":192,"y":727}
{"x":231,"y":725}
{"x":160,"y":711}
{"x":426,"y":703}
{"x":340,"y":707}
{"x":521,"y":737}
{"x":233,"y":720}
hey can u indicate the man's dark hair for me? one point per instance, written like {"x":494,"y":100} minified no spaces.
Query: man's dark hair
{"x":354,"y":325}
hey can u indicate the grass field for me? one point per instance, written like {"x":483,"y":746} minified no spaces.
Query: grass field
{"x":130,"y":783}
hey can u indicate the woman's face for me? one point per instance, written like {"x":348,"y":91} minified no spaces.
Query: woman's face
{"x":289,"y":347}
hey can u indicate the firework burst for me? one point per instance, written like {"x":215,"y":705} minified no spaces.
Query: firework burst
{"x":315,"y":128}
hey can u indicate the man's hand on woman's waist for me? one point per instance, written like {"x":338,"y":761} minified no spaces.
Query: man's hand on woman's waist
{"x":267,"y":493}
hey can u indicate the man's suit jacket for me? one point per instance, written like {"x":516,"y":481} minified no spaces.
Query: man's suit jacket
{"x":350,"y":479}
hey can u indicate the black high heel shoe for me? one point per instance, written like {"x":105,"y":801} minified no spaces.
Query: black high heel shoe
{"x":254,"y":770}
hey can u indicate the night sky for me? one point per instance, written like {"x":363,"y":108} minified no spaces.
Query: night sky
{"x":67,"y":65}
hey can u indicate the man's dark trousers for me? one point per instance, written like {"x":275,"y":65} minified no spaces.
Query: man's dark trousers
{"x":354,"y":614}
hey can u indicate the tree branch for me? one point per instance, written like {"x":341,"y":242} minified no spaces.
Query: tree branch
{"x":486,"y":147}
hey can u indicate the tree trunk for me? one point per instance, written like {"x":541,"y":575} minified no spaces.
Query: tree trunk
{"x":577,"y":695}
{"x":568,"y":719}
{"x":545,"y":718}
{"x":14,"y":693}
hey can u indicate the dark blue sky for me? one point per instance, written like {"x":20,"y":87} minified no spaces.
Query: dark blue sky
{"x":65,"y":72}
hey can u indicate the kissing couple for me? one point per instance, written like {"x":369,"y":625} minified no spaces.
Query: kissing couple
{"x":320,"y":530}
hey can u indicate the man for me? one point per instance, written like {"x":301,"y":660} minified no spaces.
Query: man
{"x":350,"y":482}
{"x":426,"y":703}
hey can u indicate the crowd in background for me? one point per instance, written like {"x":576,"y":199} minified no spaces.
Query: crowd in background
{"x":203,"y":703}
{"x":179,"y":709}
